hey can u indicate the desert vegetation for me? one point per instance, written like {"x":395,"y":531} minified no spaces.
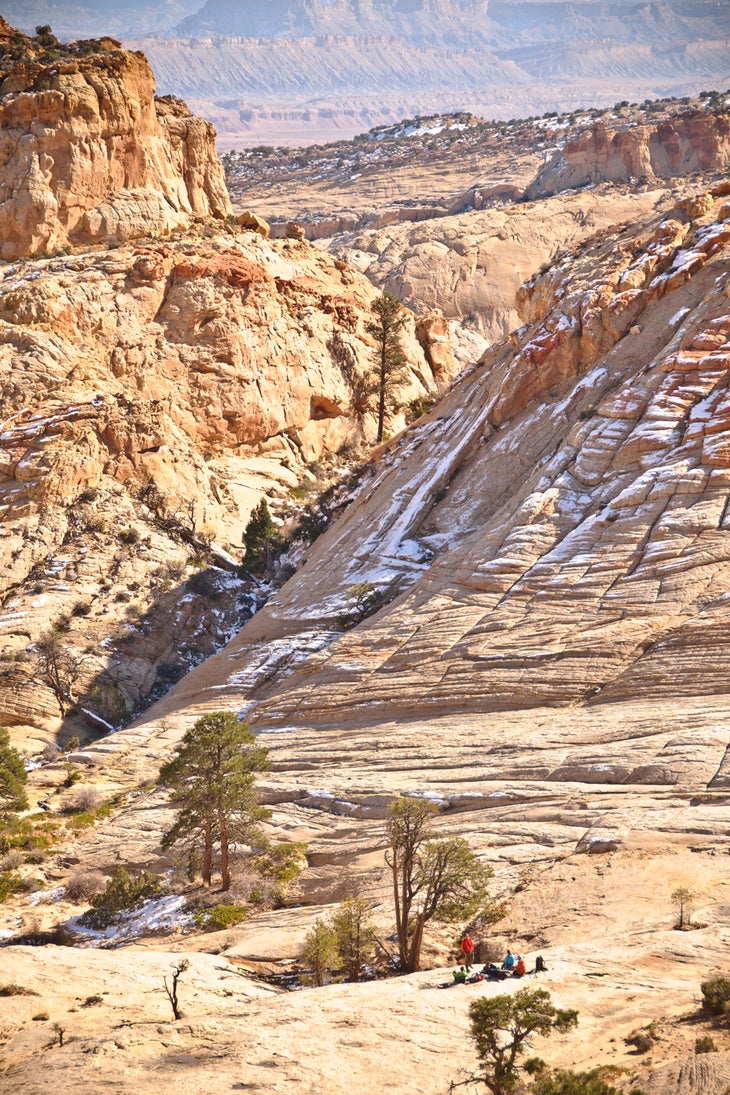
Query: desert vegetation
{"x":434,"y":879}
{"x":211,"y":784}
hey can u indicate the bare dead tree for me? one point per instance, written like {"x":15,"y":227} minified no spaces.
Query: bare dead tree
{"x":177,"y":971}
{"x":59,"y":668}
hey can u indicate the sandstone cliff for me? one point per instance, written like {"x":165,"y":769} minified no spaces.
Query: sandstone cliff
{"x":88,"y":155}
{"x":690,"y":142}
{"x":151,"y":395}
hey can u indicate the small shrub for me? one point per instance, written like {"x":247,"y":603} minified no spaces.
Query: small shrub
{"x":567,"y":1082}
{"x":683,"y":898}
{"x":71,"y":745}
{"x":73,"y":775}
{"x":220,"y":917}
{"x":12,"y":860}
{"x":123,"y":892}
{"x":705,"y":1044}
{"x":91,"y":1001}
{"x":641,"y":1040}
{"x":129,"y":536}
{"x":16,"y":990}
{"x":10,"y":884}
{"x":89,"y":495}
{"x":81,"y":608}
{"x":83,"y":885}
{"x":282,"y":863}
{"x":419,"y":406}
{"x":716,"y":995}
{"x":88,"y":798}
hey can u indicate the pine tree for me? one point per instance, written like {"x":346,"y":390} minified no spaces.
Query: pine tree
{"x":13,"y":776}
{"x":390,"y":361}
{"x":320,"y":950}
{"x":212,"y":787}
{"x":259,"y":538}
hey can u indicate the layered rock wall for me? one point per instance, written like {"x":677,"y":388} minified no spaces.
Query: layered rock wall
{"x":87,"y":155}
{"x":698,"y":140}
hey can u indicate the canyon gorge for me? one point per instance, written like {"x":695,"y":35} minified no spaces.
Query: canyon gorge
{"x":542,"y":535}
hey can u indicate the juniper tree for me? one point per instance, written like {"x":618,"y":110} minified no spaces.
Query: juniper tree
{"x":59,"y":668}
{"x":433,"y":879}
{"x":390,"y":361}
{"x":502,"y":1028}
{"x":211,"y":782}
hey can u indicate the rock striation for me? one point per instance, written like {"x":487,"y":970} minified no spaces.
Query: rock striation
{"x":88,"y":155}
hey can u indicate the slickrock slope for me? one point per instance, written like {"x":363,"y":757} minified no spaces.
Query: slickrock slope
{"x":553,"y":539}
{"x":401,"y":1035}
{"x":696,"y":140}
{"x":474,"y":263}
{"x":88,"y":155}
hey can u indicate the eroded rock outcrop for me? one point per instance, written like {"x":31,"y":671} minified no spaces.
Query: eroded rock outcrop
{"x":88,"y":155}
{"x":697,"y":140}
{"x":151,"y":395}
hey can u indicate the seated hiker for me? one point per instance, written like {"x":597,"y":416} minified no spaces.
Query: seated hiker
{"x":540,"y":966}
{"x":475,"y":977}
{"x":494,"y":973}
{"x":520,"y":969}
{"x":460,"y":976}
{"x":509,"y":961}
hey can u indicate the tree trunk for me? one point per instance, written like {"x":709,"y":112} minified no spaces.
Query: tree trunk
{"x":400,"y":927}
{"x":381,"y":399}
{"x":414,"y":958}
{"x":207,"y":866}
{"x":225,"y":865}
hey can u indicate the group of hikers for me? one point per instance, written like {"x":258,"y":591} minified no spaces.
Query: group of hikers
{"x":513,"y":965}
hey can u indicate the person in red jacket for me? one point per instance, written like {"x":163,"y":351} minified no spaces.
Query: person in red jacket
{"x":520,"y":969}
{"x":467,"y":949}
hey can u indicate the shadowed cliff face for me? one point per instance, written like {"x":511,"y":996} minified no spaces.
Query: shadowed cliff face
{"x":89,"y":156}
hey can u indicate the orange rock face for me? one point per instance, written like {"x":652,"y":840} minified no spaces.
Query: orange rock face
{"x":693,"y":141}
{"x":88,"y":155}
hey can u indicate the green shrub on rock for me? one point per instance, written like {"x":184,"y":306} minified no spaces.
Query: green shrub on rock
{"x":123,"y":892}
{"x":220,"y":917}
{"x":716,"y":995}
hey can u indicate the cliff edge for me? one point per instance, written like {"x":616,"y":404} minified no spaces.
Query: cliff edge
{"x":89,"y":155}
